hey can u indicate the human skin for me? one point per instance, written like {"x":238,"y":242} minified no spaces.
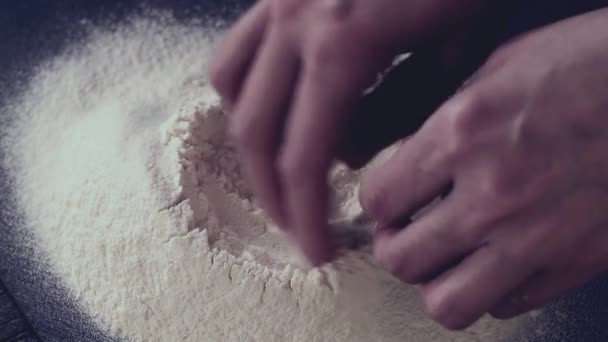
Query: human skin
{"x":520,"y":148}
{"x":293,"y":72}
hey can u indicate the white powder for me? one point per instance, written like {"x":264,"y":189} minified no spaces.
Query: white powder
{"x":212,"y":183}
{"x":132,"y":189}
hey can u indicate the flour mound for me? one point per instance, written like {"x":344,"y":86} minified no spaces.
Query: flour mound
{"x":213,"y":185}
{"x":132,"y":190}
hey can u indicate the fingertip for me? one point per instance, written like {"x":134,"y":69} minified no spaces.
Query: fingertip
{"x":227,"y":106}
{"x":447,"y":310}
{"x":513,"y":305}
{"x":276,"y":217}
{"x":504,"y":313}
{"x":318,"y":257}
{"x":320,"y":252}
{"x":321,"y":259}
{"x":231,"y":61}
{"x":382,"y":249}
{"x":355,"y":160}
{"x":217,"y":69}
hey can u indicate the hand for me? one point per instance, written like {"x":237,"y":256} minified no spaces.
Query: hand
{"x":522,"y":151}
{"x":293,"y":72}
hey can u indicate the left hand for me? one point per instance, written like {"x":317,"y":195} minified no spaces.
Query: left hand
{"x":523,"y":150}
{"x":294,"y":71}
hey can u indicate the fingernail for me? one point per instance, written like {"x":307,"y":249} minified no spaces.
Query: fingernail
{"x":319,"y":260}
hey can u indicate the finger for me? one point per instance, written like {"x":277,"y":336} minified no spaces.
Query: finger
{"x":413,"y":176}
{"x":460,"y":296}
{"x":259,"y":118}
{"x":325,"y":97}
{"x":424,"y":165}
{"x":430,"y":244}
{"x":536,"y":292}
{"x":231,"y":62}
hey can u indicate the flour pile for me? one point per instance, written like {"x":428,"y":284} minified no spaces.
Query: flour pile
{"x":133,"y":190}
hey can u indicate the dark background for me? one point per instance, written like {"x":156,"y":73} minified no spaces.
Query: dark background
{"x":34,"y":307}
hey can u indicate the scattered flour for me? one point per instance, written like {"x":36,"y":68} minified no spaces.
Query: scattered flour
{"x":134,"y":192}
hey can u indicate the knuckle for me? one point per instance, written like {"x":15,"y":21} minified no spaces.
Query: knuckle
{"x":506,"y":194}
{"x":465,"y":109}
{"x":515,"y":185}
{"x":462,"y":232}
{"x":330,"y":55}
{"x":474,"y":228}
{"x":463,"y":118}
{"x":294,"y":169}
{"x":502,"y":55}
{"x":220,"y":79}
{"x":286,"y":10}
{"x":327,"y":56}
{"x":495,"y":184}
{"x":388,"y":261}
{"x":246,"y":135}
{"x":500,"y":193}
{"x":504,"y":311}
{"x":471,"y":228}
{"x":327,"y":51}
{"x":374,"y":202}
{"x":513,"y":256}
{"x":445,"y":309}
{"x":400,"y":263}
{"x":411,"y":273}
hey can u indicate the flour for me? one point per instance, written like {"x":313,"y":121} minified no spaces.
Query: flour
{"x":213,"y":185}
{"x":133,"y":191}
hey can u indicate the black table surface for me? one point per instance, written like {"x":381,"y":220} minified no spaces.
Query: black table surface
{"x":13,"y":324}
